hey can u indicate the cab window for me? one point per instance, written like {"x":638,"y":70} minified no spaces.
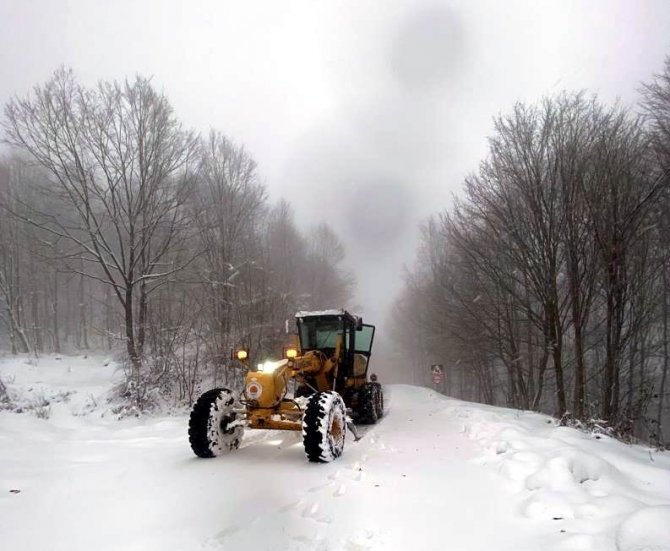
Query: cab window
{"x":364,"y":338}
{"x":319,"y":333}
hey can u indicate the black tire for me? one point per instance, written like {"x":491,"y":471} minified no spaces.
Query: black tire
{"x":209,"y":430}
{"x":367,"y":404}
{"x":303,"y":391}
{"x":324,"y":427}
{"x":379,"y":402}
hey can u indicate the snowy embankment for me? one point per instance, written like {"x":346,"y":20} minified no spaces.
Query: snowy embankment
{"x":434,"y":474}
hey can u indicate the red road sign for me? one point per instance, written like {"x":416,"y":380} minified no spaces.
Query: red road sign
{"x":437,"y":372}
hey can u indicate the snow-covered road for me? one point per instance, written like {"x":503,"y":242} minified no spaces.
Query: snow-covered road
{"x":434,"y":474}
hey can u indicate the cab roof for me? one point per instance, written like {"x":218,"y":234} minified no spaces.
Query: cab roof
{"x":328,"y":314}
{"x":318,"y":313}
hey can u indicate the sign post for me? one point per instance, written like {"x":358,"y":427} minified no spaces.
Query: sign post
{"x":437,"y":374}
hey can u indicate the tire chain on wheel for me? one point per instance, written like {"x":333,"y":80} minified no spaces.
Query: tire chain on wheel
{"x":303,"y":391}
{"x":316,"y":424}
{"x":204,"y":432}
{"x":367,"y":410}
{"x":379,"y":402}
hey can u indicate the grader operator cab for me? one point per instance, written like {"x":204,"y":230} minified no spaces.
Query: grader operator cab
{"x":329,"y":370}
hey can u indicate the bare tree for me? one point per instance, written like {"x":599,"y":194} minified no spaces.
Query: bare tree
{"x":228,"y":208}
{"x":118,"y":156}
{"x":656,"y":107}
{"x":618,"y":198}
{"x":327,"y":283}
{"x":124,"y":226}
{"x":551,"y":259}
{"x":10,"y":266}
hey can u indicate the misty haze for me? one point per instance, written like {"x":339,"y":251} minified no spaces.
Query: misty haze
{"x":335,"y":276}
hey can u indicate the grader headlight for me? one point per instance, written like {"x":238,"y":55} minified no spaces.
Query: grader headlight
{"x":290,"y":353}
{"x":268,"y":367}
{"x":241,"y":354}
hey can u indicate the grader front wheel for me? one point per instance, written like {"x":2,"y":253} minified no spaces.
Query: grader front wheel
{"x":324,"y":427}
{"x":212,"y":430}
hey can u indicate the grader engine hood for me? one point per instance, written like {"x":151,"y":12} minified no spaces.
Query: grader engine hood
{"x":267,"y":386}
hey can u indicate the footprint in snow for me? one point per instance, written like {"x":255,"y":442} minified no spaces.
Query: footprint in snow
{"x":316,"y":542}
{"x":362,"y":541}
{"x":323,"y":519}
{"x":303,"y":539}
{"x":321,"y":487}
{"x":292,"y":506}
{"x":578,"y":542}
{"x":226,"y":533}
{"x":340,"y":491}
{"x":311,"y":510}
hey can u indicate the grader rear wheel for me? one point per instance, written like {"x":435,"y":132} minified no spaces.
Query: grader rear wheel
{"x":379,"y":401}
{"x":367,"y":404}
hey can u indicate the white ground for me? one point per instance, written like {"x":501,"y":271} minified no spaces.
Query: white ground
{"x":434,"y":474}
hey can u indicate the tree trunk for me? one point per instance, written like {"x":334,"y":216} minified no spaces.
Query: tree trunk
{"x":142,"y":318}
{"x":18,"y":330}
{"x":54,"y":314}
{"x":666,"y":360}
{"x":607,"y":394}
{"x":578,"y":329}
{"x":83,"y":322}
{"x":12,"y":334}
{"x":135,"y":360}
{"x":34,"y":312}
{"x":108,"y":317}
{"x":580,"y":372}
{"x":557,"y":354}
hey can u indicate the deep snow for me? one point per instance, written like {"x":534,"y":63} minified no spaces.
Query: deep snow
{"x":434,"y":474}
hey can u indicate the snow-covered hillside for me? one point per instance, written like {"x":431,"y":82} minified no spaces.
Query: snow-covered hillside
{"x":434,"y":474}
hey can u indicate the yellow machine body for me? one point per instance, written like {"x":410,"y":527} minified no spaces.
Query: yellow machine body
{"x":320,"y":387}
{"x":265,"y":389}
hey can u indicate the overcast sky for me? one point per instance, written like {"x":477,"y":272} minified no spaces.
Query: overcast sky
{"x":366,"y":114}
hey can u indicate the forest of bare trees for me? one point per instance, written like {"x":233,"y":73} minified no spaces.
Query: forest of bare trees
{"x":547,"y":286}
{"x":120,"y":229}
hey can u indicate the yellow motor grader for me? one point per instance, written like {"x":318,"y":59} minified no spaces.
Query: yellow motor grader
{"x":329,"y":370}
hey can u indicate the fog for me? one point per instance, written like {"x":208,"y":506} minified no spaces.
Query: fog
{"x":366,"y":115}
